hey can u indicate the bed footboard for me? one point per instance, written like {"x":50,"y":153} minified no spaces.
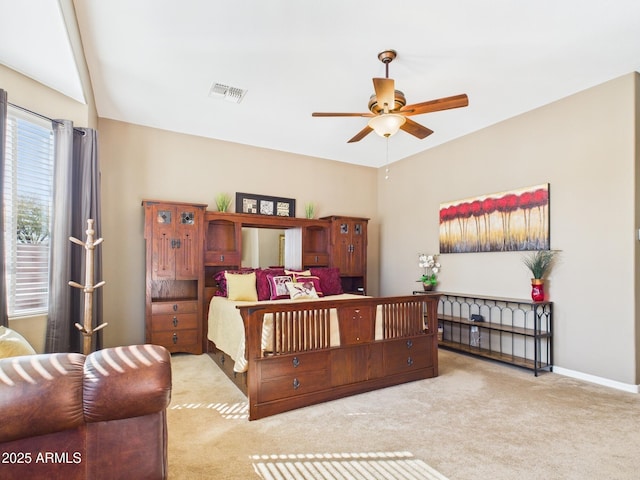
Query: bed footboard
{"x":382,"y":341}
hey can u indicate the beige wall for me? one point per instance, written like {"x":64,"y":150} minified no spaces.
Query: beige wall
{"x":584,"y":146}
{"x":34,"y":96}
{"x":139,"y":162}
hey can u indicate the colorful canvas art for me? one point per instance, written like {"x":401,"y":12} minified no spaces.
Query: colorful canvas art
{"x":506,"y":221}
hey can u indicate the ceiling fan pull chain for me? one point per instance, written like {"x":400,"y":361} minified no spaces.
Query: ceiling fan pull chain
{"x":386,"y":170}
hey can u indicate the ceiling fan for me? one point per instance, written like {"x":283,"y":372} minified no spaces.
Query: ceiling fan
{"x":388,"y":109}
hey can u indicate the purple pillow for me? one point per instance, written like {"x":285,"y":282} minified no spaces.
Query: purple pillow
{"x":262,"y":281}
{"x":329,"y":279}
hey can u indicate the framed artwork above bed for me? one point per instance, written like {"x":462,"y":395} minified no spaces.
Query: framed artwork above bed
{"x":265,"y":205}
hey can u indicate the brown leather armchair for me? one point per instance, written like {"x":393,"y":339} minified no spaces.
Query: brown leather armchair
{"x":102,"y":416}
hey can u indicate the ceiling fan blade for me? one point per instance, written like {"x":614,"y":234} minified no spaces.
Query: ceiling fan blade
{"x":361,"y":134}
{"x":416,"y":129}
{"x":385,"y":92}
{"x":445,"y":103}
{"x":337,"y":114}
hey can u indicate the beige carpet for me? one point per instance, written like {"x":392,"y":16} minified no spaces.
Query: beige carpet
{"x":477,"y":420}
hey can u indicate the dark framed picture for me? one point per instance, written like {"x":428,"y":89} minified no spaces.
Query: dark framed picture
{"x":265,"y":205}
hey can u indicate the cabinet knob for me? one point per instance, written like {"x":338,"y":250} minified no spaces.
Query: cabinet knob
{"x":222,"y":258}
{"x":296,"y":362}
{"x":296,"y":383}
{"x":175,"y":307}
{"x":175,"y":338}
{"x":409,"y":343}
{"x":409,"y":361}
{"x":175,"y":321}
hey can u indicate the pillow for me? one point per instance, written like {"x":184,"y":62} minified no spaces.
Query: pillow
{"x":12,"y":344}
{"x":242,"y":286}
{"x":221,"y":280}
{"x":297,"y":272}
{"x":278,"y":286}
{"x":329,"y":279}
{"x":262,"y":281}
{"x":310,"y":278}
{"x":301,"y":290}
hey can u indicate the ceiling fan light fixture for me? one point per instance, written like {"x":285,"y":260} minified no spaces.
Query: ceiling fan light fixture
{"x":387,"y":124}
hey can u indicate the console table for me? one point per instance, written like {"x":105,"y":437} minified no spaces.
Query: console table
{"x":509,"y":330}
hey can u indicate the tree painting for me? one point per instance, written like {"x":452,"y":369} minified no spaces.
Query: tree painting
{"x":507,"y":221}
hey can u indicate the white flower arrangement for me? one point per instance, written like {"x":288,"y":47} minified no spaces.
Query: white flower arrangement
{"x":431,"y":268}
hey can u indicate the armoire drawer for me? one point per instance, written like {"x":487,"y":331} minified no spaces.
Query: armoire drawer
{"x":175,"y":340}
{"x":174,"y":322}
{"x":178,"y":306}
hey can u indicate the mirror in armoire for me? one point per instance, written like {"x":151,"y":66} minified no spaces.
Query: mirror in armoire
{"x":269,"y":247}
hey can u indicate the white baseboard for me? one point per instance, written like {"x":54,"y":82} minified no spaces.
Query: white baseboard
{"x":626,"y":387}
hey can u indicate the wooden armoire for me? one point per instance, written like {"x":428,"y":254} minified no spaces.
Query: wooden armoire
{"x":348,"y":251}
{"x":174,"y":234}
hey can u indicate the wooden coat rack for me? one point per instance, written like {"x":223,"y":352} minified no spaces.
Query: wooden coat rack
{"x":88,"y":287}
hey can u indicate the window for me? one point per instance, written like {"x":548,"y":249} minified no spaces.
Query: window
{"x":28,"y":195}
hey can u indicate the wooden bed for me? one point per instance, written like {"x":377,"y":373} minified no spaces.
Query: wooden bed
{"x":302,"y":360}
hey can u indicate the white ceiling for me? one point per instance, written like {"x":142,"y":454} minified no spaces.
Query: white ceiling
{"x":152,"y":62}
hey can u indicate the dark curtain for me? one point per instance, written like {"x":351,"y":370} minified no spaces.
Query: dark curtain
{"x":76,"y":198}
{"x":4,"y":318}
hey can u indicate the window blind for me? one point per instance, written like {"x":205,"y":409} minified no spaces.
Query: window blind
{"x":28,"y":195}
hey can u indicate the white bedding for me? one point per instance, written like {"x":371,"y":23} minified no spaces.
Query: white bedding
{"x":226,"y":328}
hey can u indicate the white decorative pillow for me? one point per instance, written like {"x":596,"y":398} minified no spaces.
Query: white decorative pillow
{"x":301,"y":290}
{"x":12,"y":344}
{"x":242,"y":287}
{"x":310,"y":278}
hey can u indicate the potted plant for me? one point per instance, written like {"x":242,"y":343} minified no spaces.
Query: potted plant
{"x":223,"y":202}
{"x":429,"y":278}
{"x":309,"y":210}
{"x":539,"y":263}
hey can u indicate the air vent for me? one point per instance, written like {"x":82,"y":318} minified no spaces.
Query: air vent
{"x":231,"y":94}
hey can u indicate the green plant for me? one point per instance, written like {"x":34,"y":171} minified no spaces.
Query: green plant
{"x":223,"y":201}
{"x":309,"y":210}
{"x":540,"y":262}
{"x":431,"y":268}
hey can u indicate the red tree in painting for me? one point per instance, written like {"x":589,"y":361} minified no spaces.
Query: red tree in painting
{"x":488,"y":207}
{"x":476,"y":212}
{"x":506,"y":205}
